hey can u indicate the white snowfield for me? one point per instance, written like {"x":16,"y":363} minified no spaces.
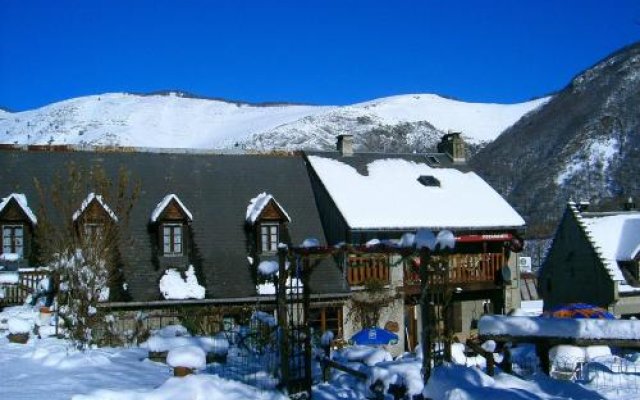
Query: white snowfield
{"x":390,"y":196}
{"x":172,"y":121}
{"x":498,"y":325}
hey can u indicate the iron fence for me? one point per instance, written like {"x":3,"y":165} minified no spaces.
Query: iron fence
{"x":619,"y":373}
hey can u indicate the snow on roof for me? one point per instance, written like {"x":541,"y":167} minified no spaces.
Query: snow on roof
{"x":616,"y":238}
{"x":578,"y":328}
{"x":21,"y":199}
{"x":391,"y":196}
{"x":258,"y":203}
{"x":164,"y":203}
{"x":91,"y":197}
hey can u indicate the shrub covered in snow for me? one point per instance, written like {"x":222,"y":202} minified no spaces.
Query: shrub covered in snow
{"x":174,"y":287}
{"x":365,"y":354}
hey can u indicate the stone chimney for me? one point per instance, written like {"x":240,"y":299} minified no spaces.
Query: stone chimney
{"x":453,"y":145}
{"x":629,"y":205}
{"x":345,"y":145}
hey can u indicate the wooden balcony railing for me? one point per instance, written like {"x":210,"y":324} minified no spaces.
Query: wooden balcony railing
{"x":361,"y":269}
{"x":463,"y":268}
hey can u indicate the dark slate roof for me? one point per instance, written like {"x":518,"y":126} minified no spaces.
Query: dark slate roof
{"x":359,"y":161}
{"x":215,"y":188}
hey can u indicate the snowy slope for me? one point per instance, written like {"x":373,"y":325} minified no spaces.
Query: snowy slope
{"x":183,"y":122}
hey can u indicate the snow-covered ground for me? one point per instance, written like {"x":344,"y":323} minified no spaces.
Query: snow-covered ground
{"x":173,"y":121}
{"x":50,"y":369}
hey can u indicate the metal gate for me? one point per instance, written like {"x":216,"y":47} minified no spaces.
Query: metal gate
{"x":293,"y":301}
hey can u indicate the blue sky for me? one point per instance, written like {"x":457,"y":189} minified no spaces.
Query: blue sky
{"x":320,"y":52}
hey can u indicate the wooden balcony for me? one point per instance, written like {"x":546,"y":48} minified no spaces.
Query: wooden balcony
{"x":463,"y":270}
{"x":361,"y":269}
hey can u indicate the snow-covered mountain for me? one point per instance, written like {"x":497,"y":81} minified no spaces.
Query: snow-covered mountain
{"x":584,"y":144}
{"x":177,"y":121}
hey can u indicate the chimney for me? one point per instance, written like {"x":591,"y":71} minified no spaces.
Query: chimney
{"x":345,"y":145}
{"x":629,"y":205}
{"x":453,"y":145}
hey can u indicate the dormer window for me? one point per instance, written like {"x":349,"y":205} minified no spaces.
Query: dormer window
{"x":92,"y":217}
{"x":172,"y":219}
{"x":16,"y":224}
{"x":268,"y":219}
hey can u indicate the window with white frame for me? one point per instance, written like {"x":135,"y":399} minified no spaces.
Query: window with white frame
{"x":172,"y":239}
{"x":269,"y":237}
{"x":13,"y":239}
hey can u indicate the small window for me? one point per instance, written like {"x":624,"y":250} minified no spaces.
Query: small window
{"x":13,"y":239}
{"x":269,"y":237}
{"x":433,"y":160}
{"x":92,"y":231}
{"x":172,"y":239}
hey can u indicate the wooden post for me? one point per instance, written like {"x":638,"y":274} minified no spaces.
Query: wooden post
{"x":425,"y":322}
{"x":542,"y":350}
{"x":506,"y":360}
{"x":283,"y":323}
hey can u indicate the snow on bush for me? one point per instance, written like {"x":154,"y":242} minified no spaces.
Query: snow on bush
{"x":84,"y":280}
{"x":407,"y":240}
{"x":187,"y":356}
{"x":373,"y":242}
{"x":365,"y":354}
{"x":19,"y":325}
{"x":425,"y":238}
{"x":268,"y":268}
{"x":310,"y":242}
{"x":404,"y":372}
{"x":174,"y":287}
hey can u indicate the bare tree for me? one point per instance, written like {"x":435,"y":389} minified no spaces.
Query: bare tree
{"x":81,"y":220}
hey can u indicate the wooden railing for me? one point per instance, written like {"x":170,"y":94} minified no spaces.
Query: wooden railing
{"x":464,"y":268}
{"x":27,"y":283}
{"x":361,"y":269}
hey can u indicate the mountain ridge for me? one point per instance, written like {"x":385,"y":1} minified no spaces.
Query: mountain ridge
{"x":581,"y":145}
{"x":178,"y":120}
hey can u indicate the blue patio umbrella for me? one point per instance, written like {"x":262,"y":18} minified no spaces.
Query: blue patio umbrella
{"x":374,"y":336}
